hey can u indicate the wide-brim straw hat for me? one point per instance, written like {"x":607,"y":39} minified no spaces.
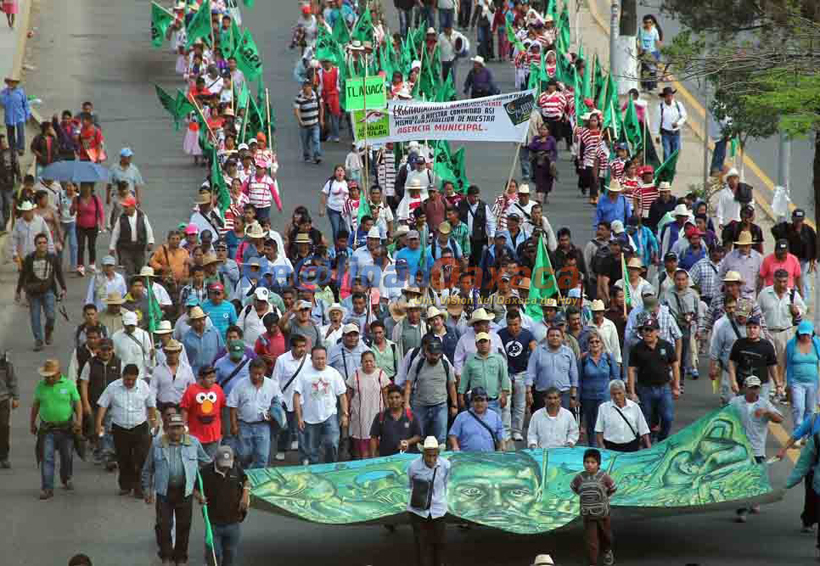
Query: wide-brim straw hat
{"x":480,"y":315}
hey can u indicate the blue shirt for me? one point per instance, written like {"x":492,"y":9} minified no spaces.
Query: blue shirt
{"x":222,"y":315}
{"x":593,"y":379}
{"x":808,"y":427}
{"x":647,"y":244}
{"x":225,"y":367}
{"x":419,"y":470}
{"x":15,"y":105}
{"x":689,"y":258}
{"x":472,"y":436}
{"x":413,"y":258}
{"x":608,"y":211}
{"x":202,"y":349}
{"x":518,"y":349}
{"x":552,"y":368}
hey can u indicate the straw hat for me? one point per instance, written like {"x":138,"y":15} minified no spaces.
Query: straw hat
{"x":254,"y":231}
{"x":397,"y":310}
{"x":208,"y":259}
{"x":523,"y":189}
{"x":597,"y":306}
{"x":665,"y":186}
{"x":635,"y":263}
{"x":172,"y":346}
{"x":480,"y":315}
{"x":733,"y":277}
{"x":49,"y":367}
{"x":196,"y":313}
{"x":454,"y":306}
{"x":543,"y":560}
{"x":147,"y":271}
{"x":302,"y":239}
{"x":745,"y":239}
{"x":615,"y":187}
{"x":114,"y":298}
{"x":478,"y":59}
{"x":444,"y":228}
{"x":164,"y":327}
{"x":433,"y":312}
{"x":430,"y":443}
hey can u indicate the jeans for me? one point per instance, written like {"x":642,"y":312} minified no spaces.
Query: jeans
{"x":335,"y":218}
{"x":104,"y":449}
{"x":670,"y":142}
{"x":16,"y":134}
{"x":448,"y":67}
{"x":287,"y":434}
{"x":315,"y":436}
{"x":432,"y":420}
{"x":658,"y":398}
{"x":46,"y":302}
{"x":405,"y":18}
{"x":526,"y":166}
{"x":804,"y":269}
{"x":686,"y":355}
{"x":311,"y":144}
{"x":263,"y":213}
{"x":804,"y":401}
{"x":226,"y":543}
{"x":513,"y":413}
{"x":428,"y":14}
{"x":6,"y":197}
{"x":718,"y":156}
{"x":62,"y":441}
{"x":254,"y":441}
{"x":334,"y":124}
{"x":589,"y":412}
{"x":70,"y":231}
{"x":445,"y":17}
{"x":465,"y":10}
{"x":174,"y":505}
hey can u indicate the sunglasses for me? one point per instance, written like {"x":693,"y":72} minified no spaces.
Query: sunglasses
{"x":479,"y":398}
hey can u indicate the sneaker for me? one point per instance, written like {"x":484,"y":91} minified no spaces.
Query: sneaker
{"x":807,"y":529}
{"x":294,"y":445}
{"x":695,"y":374}
{"x":38,"y":346}
{"x":741,"y":516}
{"x":110,"y":466}
{"x":517,"y":436}
{"x":280,"y":456}
{"x":49,"y":334}
{"x":317,"y":160}
{"x":306,"y":462}
{"x":81,"y":271}
{"x":46,"y":494}
{"x":92,"y":268}
{"x":609,"y":558}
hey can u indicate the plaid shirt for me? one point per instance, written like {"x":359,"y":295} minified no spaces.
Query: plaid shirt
{"x":461,"y":235}
{"x":669,"y":330}
{"x":704,"y":276}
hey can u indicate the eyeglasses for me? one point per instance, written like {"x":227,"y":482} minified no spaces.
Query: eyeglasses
{"x":594,"y":341}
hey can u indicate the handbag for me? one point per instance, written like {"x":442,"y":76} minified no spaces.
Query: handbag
{"x":629,"y":424}
{"x":421,"y":494}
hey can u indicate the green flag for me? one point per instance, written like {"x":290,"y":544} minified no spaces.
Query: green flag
{"x":632,"y":128}
{"x":446,"y":91}
{"x":651,"y":154}
{"x":182,"y":106}
{"x":513,"y":39}
{"x":242,"y":97}
{"x":340,"y":32}
{"x":223,"y":197}
{"x":543,"y":284}
{"x":209,"y":533}
{"x":168,"y":102}
{"x":363,"y":29}
{"x":603,"y":98}
{"x":364,"y":209}
{"x":458,"y":166}
{"x":564,"y":33}
{"x":666,"y":172}
{"x":612,"y":109}
{"x":442,"y":162}
{"x":200,"y":24}
{"x":625,"y":277}
{"x":587,"y":84}
{"x":247,"y":57}
{"x":535,"y":75}
{"x":552,"y":10}
{"x":154,"y":313}
{"x":230,"y":40}
{"x":580,"y":107}
{"x":599,"y":81}
{"x":160,"y":20}
{"x":249,"y":3}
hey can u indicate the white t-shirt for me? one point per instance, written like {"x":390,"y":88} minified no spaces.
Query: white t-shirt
{"x":318,"y":391}
{"x":336,"y":192}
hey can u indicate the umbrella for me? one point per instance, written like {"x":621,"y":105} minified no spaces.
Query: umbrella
{"x":77,"y":171}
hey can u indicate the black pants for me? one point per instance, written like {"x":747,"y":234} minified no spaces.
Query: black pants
{"x":89,"y":234}
{"x":174,"y":504}
{"x":633,"y":446}
{"x":131,"y":447}
{"x":429,"y":536}
{"x":132,"y":258}
{"x":476,"y":249}
{"x":809,"y":515}
{"x":465,"y":10}
{"x":5,"y":428}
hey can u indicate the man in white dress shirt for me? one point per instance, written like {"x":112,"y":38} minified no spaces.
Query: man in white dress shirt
{"x":669,"y":120}
{"x":552,"y":426}
{"x":287,"y":369}
{"x":132,"y":344}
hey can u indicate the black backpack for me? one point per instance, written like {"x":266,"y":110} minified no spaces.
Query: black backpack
{"x":601,"y":258}
{"x":743,"y":194}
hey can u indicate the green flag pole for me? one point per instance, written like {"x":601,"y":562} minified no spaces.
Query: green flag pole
{"x":209,"y":532}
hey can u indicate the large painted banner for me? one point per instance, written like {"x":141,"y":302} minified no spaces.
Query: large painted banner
{"x":501,"y":118}
{"x":707,"y":466}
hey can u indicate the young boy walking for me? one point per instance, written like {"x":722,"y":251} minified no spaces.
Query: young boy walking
{"x":595,"y":487}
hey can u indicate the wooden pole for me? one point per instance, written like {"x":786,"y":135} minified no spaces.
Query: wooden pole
{"x":201,"y":115}
{"x":512,"y":168}
{"x":267,"y":112}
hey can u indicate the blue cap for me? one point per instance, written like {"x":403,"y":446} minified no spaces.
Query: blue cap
{"x":126,"y":152}
{"x":805,"y":327}
{"x":478,"y":392}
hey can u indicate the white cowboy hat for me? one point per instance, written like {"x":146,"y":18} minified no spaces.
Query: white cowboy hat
{"x":478,"y":59}
{"x":680,"y":210}
{"x":615,"y":187}
{"x":356,"y":45}
{"x":543,"y":560}
{"x":164,"y":327}
{"x":433,"y":312}
{"x":147,"y":271}
{"x":597,"y":305}
{"x":480,"y":315}
{"x":254,"y":231}
{"x":430,"y":443}
{"x":733,"y":276}
{"x":732,"y":173}
{"x":524,"y":189}
{"x":25,"y":206}
{"x":665,"y":186}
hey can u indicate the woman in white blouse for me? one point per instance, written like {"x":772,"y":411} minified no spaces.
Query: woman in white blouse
{"x":621,"y":425}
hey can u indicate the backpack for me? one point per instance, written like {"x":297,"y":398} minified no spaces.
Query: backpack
{"x":594,"y":500}
{"x":743,"y":194}
{"x":407,"y":413}
{"x":601,"y":258}
{"x":443,"y":360}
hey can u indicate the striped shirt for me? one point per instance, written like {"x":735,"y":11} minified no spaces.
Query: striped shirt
{"x":387,"y":173}
{"x":259,"y":191}
{"x":308,"y":109}
{"x":630,"y":186}
{"x":236,"y":208}
{"x":524,"y":59}
{"x":646,"y":194}
{"x":552,"y":105}
{"x":603,"y":160}
{"x":617,"y":167}
{"x":590,"y":140}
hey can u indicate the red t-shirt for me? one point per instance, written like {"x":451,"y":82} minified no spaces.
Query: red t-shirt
{"x":204,"y":408}
{"x":771,"y":264}
{"x":274,"y":346}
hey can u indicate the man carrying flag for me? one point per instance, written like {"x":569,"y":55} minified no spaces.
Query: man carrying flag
{"x":224,"y":493}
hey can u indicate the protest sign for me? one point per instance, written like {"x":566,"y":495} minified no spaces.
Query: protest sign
{"x":375,"y":96}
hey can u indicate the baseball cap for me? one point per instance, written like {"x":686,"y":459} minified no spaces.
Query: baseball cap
{"x":216,"y":286}
{"x":109,"y":260}
{"x":781,"y":245}
{"x":126,"y":152}
{"x":350,"y":327}
{"x":129,"y":318}
{"x":435,"y":347}
{"x":482,"y":336}
{"x":224,"y":456}
{"x":413,"y":235}
{"x":650,"y":324}
{"x":192,"y":301}
{"x":798,"y":213}
{"x":304,"y":305}
{"x":650,"y":302}
{"x":478,"y":392}
{"x":261,"y":294}
{"x":670,"y":256}
{"x":175,"y":420}
{"x":753,"y":320}
{"x":752,"y":381}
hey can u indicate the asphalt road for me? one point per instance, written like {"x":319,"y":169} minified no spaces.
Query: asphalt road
{"x":764,"y":151}
{"x":89,"y":49}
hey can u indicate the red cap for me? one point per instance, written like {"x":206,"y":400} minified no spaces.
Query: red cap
{"x":306,"y":9}
{"x":129,"y":201}
{"x":589,"y":102}
{"x":216,"y":287}
{"x":647,"y":169}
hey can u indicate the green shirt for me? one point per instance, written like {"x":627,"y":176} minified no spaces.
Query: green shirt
{"x":388,"y":360}
{"x":56,"y":401}
{"x":461,"y":234}
{"x":489,"y":373}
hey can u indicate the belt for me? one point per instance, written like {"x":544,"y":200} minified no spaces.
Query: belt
{"x":255,"y":422}
{"x":775,"y":330}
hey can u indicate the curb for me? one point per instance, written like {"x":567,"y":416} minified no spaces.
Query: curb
{"x":698,"y":129}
